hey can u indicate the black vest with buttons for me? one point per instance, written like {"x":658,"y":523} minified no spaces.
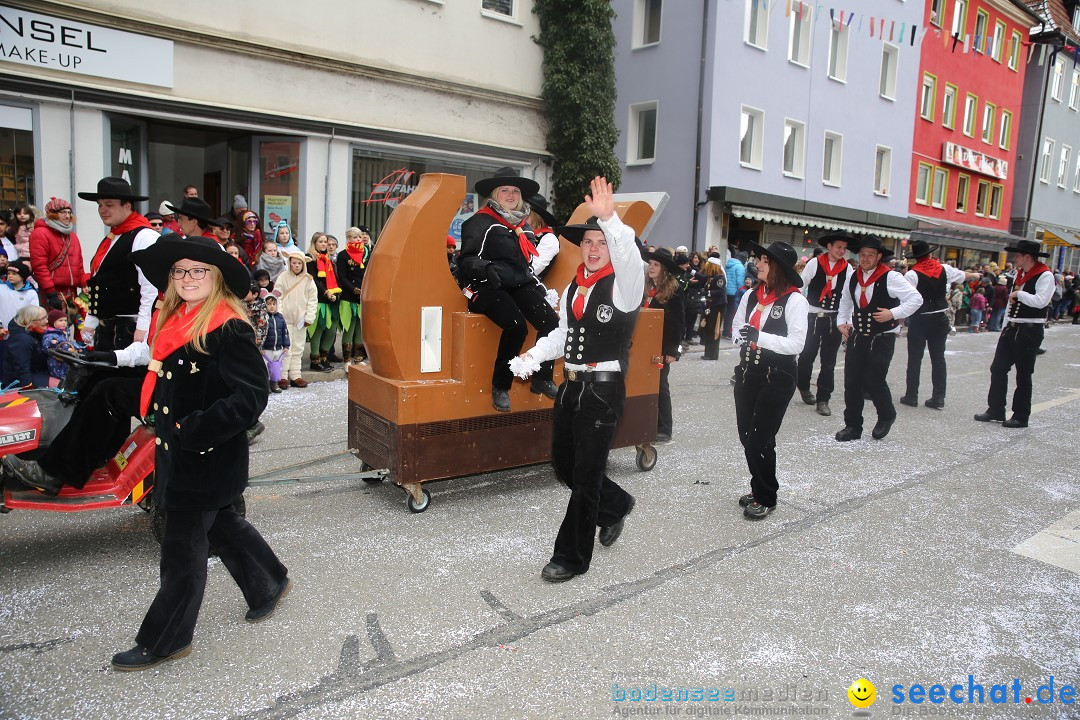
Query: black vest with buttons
{"x":114,"y":288}
{"x":932,"y":291}
{"x":757,"y":359}
{"x":817,"y":284}
{"x":862,"y":318}
{"x":603,"y":330}
{"x":1018,"y":309}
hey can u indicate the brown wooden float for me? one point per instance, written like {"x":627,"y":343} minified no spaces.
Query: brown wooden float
{"x":421,"y":409}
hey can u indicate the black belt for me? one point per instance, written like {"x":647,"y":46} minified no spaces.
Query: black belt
{"x":593,"y":376}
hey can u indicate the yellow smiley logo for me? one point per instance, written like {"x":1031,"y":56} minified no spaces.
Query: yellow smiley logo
{"x":862,"y":693}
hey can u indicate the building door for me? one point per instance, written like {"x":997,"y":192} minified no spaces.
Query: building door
{"x":275,"y":187}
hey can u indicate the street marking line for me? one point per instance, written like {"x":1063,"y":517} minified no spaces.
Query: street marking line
{"x":1039,"y":407}
{"x":1057,"y":545}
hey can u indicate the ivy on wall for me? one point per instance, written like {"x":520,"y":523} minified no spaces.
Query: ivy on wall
{"x":578,"y":95}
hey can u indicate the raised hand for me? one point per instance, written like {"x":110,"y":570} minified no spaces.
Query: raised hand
{"x":601,"y":202}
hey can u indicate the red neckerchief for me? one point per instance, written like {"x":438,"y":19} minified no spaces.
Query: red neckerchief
{"x":764,"y":301}
{"x":325,"y":267}
{"x":527,"y":248}
{"x":133,"y":221}
{"x":878,"y":272}
{"x":830,"y":273}
{"x":584,"y":283}
{"x":652,"y":294}
{"x":175,"y":334}
{"x":542,"y":231}
{"x":928,"y":266}
{"x":358,"y":252}
{"x":1037,"y":269}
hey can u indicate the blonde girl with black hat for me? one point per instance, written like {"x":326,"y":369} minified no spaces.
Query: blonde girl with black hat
{"x":662,"y":292}
{"x":205,"y":385}
{"x":769,"y":327}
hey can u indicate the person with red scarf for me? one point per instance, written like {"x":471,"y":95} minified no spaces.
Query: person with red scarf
{"x":868,"y":319}
{"x":664,"y":292}
{"x":121,"y":299}
{"x":824,"y":277}
{"x":929,"y":327}
{"x":596,"y":321}
{"x":323,"y":332}
{"x":769,"y":326}
{"x":1022,"y":337}
{"x":351,"y":266}
{"x":497,"y":247}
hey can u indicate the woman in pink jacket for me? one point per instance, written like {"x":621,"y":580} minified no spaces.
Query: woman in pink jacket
{"x":56,"y":257}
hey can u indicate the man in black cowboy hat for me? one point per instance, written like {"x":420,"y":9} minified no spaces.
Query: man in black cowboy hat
{"x":929,"y":327}
{"x":1022,"y":337}
{"x":102,"y":420}
{"x":497,"y":247}
{"x":121,"y":298}
{"x":194,"y":218}
{"x":825,"y":279}
{"x":877,"y":298}
{"x":597,"y":315}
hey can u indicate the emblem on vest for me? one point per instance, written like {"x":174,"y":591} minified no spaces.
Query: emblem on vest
{"x":604,"y":313}
{"x":777,"y":312}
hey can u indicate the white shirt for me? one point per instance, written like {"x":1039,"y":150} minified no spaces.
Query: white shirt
{"x":1044,"y":290}
{"x":626,"y":294}
{"x":896,"y":286}
{"x":148,"y":294}
{"x":790,"y":344}
{"x":837,"y":281}
{"x":548,"y":247}
{"x":952,"y":275}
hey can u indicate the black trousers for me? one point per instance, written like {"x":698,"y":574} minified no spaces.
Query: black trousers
{"x":663,"y":410}
{"x":1016,"y":346}
{"x":729,"y":314}
{"x":114,"y":333}
{"x":709,"y":336}
{"x":927,"y":331}
{"x":821,"y":335}
{"x":585,"y":418}
{"x":169,"y":624}
{"x":510,"y":309}
{"x":761,"y":400}
{"x":98,"y":427}
{"x":866,"y":369}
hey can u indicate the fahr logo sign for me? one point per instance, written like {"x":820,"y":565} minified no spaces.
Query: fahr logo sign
{"x":46,"y":42}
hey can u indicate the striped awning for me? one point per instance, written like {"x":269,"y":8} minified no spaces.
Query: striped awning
{"x":779,"y":217}
{"x":1059,"y":238}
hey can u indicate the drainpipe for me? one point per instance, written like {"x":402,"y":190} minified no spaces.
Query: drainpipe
{"x":326,"y":183}
{"x":700,"y":120}
{"x":71,"y":149}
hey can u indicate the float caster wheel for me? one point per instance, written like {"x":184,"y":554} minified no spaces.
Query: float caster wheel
{"x":646,"y":457}
{"x":417,"y":499}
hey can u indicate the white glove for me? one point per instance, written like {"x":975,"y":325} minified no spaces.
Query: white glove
{"x":523,"y":366}
{"x":552,"y":298}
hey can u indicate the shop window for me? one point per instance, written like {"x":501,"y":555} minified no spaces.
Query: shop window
{"x":17,"y":179}
{"x":279,"y":186}
{"x":126,"y":151}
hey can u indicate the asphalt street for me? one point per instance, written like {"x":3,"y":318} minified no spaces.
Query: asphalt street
{"x":947,"y":553}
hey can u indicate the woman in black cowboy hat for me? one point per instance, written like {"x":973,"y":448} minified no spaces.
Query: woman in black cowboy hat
{"x":547,"y":242}
{"x":662,"y":291}
{"x":206,"y":384}
{"x":770,"y":328}
{"x":497,"y":248}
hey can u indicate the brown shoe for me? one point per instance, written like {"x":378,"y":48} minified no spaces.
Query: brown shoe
{"x":299,"y":382}
{"x":283,"y":384}
{"x":346,"y":353}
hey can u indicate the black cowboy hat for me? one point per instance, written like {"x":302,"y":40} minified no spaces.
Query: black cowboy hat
{"x":506,"y":176}
{"x":851,"y":240}
{"x":113,"y":188}
{"x":874,"y":243}
{"x":195,"y":208}
{"x":784,"y":255}
{"x":665,"y":258}
{"x":921,"y":248}
{"x":1028,"y":247}
{"x":539,"y":205}
{"x":574,"y":233}
{"x":156,"y":261}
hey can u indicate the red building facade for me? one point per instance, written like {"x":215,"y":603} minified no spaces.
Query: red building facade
{"x":972,"y":65}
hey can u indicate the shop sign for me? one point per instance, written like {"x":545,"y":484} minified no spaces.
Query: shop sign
{"x":974,"y":160}
{"x":43,"y":41}
{"x":466,"y":211}
{"x":277,"y":208}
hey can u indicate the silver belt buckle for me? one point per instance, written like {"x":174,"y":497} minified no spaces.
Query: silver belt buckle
{"x":821,"y":314}
{"x":572,"y":374}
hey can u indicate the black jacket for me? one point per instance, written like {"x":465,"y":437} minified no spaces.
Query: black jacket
{"x":320,"y":282}
{"x":24,"y":360}
{"x":674,"y":322}
{"x":350,"y":276}
{"x":202,"y":405}
{"x":486,"y":241}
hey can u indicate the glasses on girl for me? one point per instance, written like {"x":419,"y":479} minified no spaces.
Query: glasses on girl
{"x":195,"y":273}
